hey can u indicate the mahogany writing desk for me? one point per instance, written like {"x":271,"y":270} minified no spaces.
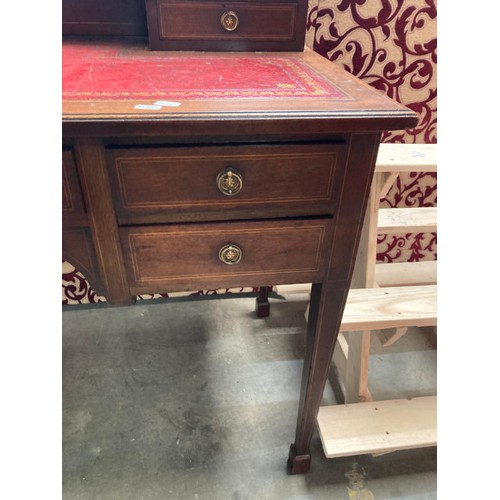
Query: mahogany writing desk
{"x":186,"y":170}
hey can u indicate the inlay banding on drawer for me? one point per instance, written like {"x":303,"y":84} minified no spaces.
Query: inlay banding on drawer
{"x":173,"y":257}
{"x":249,"y":25}
{"x":161,"y":180}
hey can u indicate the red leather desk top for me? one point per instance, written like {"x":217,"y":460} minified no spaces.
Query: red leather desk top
{"x":114,"y":70}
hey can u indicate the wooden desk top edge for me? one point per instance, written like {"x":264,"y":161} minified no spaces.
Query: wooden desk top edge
{"x":365,"y":109}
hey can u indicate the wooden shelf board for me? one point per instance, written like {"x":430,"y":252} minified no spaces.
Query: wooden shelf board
{"x":406,"y":273}
{"x":407,"y":158}
{"x":295,"y":288}
{"x":375,"y":308}
{"x":407,"y":220}
{"x":378,"y":426}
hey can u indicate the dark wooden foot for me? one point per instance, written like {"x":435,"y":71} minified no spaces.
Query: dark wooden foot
{"x":262,"y":303}
{"x":298,"y":464}
{"x":325,"y":312}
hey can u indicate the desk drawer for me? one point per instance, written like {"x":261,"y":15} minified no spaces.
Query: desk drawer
{"x":216,"y":25}
{"x":180,"y":257}
{"x":153,"y":184}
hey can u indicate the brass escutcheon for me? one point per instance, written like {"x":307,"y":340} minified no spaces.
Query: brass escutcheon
{"x":230,"y":254}
{"x":229,"y":182}
{"x":229,"y":20}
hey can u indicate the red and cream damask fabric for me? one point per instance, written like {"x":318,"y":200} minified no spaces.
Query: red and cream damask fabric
{"x":391,"y":45}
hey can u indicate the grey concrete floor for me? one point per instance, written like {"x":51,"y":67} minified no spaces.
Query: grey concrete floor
{"x":198,"y":400}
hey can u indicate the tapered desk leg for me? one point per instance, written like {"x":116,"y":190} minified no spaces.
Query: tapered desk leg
{"x":325,"y":313}
{"x":262,"y":302}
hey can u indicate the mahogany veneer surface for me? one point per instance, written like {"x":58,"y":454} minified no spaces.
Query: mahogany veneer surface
{"x":241,"y":25}
{"x":180,"y":257}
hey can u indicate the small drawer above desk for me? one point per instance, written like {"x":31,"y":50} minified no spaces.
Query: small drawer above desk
{"x":155,"y":184}
{"x":235,"y":25}
{"x":178,"y":257}
{"x":73,"y":208}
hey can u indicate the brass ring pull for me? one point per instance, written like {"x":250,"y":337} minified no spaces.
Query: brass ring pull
{"x":230,"y":254}
{"x":229,"y":20}
{"x":229,"y":182}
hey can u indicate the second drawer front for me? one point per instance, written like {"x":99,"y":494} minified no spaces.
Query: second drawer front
{"x":187,"y":257}
{"x":162,"y":181}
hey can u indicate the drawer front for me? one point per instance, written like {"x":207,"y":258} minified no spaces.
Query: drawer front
{"x":163,"y":181}
{"x":72,"y":201}
{"x":186,"y":257}
{"x":243,"y":25}
{"x":104,"y":17}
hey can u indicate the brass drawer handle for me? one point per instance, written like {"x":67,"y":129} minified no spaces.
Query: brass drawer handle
{"x":230,"y":254}
{"x":229,"y":20}
{"x":229,"y":182}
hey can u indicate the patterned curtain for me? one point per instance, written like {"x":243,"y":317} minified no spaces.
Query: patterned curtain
{"x":391,"y":45}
